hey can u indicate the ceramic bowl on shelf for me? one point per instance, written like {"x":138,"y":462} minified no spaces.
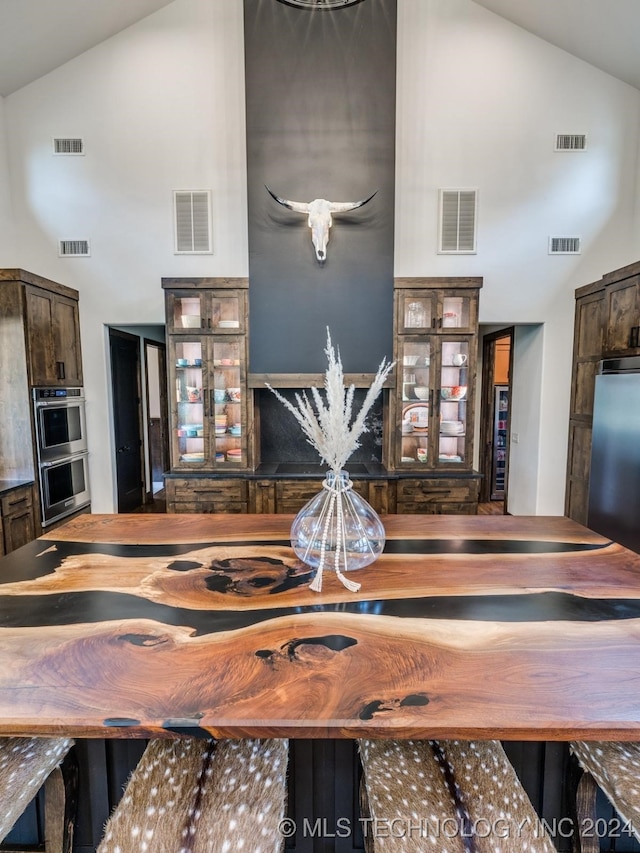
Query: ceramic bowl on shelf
{"x":219,"y":395}
{"x":229,"y":324}
{"x":234,"y":394}
{"x":410,"y":360}
{"x":454,"y":393}
{"x":421,"y":392}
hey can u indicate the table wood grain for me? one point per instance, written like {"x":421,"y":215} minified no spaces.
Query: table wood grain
{"x":521,"y":628}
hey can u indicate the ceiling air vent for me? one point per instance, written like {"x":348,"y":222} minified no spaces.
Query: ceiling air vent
{"x":457,"y":221}
{"x":571,"y":142}
{"x":192,"y":222}
{"x":73,"y":249}
{"x":68,"y":146}
{"x":564,"y":245}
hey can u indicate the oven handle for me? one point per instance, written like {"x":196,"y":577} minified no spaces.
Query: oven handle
{"x":63,"y":459}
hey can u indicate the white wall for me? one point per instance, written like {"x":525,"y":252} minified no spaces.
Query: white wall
{"x":479,"y":104}
{"x":8,"y":256}
{"x":161,"y":107}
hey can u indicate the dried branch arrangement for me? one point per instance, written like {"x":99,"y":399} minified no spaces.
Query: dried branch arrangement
{"x":332,"y":429}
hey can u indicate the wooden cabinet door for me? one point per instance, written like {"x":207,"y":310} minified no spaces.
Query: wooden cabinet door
{"x":66,"y":338}
{"x":53,"y":336}
{"x":18,"y":519}
{"x":40,"y":337}
{"x":622,"y":306}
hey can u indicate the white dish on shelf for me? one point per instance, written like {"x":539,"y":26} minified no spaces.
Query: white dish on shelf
{"x":417,"y":415}
{"x":229,"y":324}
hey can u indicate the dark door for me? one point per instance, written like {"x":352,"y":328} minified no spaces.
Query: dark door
{"x":125,"y":380}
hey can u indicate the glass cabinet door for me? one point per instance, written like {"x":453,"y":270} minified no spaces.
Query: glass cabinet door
{"x":228,"y":403}
{"x":186,"y":312}
{"x":190,"y":430}
{"x":225,"y":313}
{"x":457,"y":312}
{"x":453,"y":390}
{"x":416,"y":312}
{"x":417,"y":400}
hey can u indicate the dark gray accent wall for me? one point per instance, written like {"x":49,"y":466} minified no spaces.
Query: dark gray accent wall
{"x":320,"y":94}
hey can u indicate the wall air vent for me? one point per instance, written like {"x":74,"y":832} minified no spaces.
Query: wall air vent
{"x":571,"y":142}
{"x":73,"y":249}
{"x":564,"y":245}
{"x":68,"y":146}
{"x":192,"y":211}
{"x":458,"y":221}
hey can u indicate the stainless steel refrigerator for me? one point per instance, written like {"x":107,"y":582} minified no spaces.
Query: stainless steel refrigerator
{"x":614,"y":482}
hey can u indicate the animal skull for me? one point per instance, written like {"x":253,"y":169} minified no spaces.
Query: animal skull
{"x":319,"y":217}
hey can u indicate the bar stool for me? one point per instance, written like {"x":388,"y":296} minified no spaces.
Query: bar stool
{"x":449,"y":796}
{"x":615,"y":768}
{"x":202,"y":796}
{"x":26,"y":764}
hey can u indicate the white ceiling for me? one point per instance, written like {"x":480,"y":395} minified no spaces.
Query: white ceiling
{"x":605,"y":33}
{"x":37,"y":36}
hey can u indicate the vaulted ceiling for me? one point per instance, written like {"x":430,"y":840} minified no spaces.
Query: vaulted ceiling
{"x":37,"y":36}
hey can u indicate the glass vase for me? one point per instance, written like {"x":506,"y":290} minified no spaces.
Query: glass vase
{"x":337,"y":530}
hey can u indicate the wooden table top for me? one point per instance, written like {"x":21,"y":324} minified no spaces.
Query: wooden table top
{"x":524,"y":628}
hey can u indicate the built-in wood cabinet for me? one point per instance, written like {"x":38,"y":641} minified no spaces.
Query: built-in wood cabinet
{"x":587,"y":352}
{"x":50,"y":323}
{"x":436,"y":343}
{"x":607,"y":324}
{"x":39,"y":347}
{"x":53,"y":338}
{"x":428,"y":414}
{"x":431,"y":418}
{"x":17,"y":518}
{"x":210,"y":409}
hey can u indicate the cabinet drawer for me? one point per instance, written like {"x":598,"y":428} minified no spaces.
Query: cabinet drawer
{"x":292,"y":495}
{"x":436,"y":491}
{"x":413,"y":507}
{"x":206,"y":506}
{"x":206,"y":491}
{"x":17,"y":501}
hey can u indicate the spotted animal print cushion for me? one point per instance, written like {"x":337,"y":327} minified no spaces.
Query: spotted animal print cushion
{"x":616,"y":768}
{"x":202,"y":796}
{"x":447,"y":796}
{"x":25,"y":763}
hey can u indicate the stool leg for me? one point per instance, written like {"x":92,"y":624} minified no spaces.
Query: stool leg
{"x":60,"y":802}
{"x":586,"y":814}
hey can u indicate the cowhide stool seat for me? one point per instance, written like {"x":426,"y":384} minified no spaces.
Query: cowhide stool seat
{"x":25,"y":765}
{"x":202,"y":796}
{"x":446,"y":796}
{"x":615,"y":767}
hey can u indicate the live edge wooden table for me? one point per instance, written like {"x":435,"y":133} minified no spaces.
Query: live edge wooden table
{"x":519,"y":628}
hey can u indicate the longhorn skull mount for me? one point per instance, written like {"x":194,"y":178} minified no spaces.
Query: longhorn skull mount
{"x":319,"y":213}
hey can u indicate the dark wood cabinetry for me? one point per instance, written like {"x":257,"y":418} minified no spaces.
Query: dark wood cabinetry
{"x":607,"y":322}
{"x":53,"y":338}
{"x":39,"y":346}
{"x":17,"y":518}
{"x":432,"y":408}
{"x":622,"y":311}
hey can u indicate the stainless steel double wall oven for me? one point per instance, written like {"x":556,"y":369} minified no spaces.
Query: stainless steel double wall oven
{"x":61,"y":439}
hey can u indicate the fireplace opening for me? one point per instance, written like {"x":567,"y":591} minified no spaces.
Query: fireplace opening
{"x":282,"y":442}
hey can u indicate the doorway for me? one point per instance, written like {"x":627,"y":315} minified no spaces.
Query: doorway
{"x":495,"y":408}
{"x":156,"y":411}
{"x":124,"y":350}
